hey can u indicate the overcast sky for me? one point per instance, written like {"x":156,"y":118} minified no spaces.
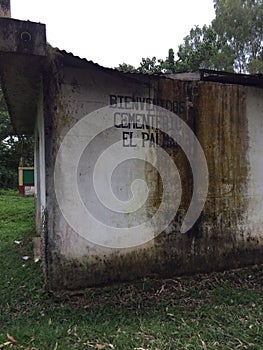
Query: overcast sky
{"x":110,"y":32}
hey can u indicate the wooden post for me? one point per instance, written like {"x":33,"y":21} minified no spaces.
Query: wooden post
{"x":5,"y":10}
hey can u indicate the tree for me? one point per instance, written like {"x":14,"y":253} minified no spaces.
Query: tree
{"x":13,"y":149}
{"x":169,"y":66}
{"x":202,"y":48}
{"x":256,"y":65}
{"x":147,"y":66}
{"x":233,"y":42}
{"x":150,"y":66}
{"x":126,"y":68}
{"x":239,"y":24}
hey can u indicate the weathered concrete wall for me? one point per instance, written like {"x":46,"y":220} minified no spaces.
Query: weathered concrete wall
{"x":58,"y":96}
{"x":227,"y":121}
{"x":40,"y":180}
{"x":22,"y":58}
{"x":254,"y":111}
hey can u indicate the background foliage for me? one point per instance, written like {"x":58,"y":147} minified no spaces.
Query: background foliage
{"x":233,"y":42}
{"x":14,"y":149}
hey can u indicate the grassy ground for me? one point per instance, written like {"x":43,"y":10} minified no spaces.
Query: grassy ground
{"x":218,"y":311}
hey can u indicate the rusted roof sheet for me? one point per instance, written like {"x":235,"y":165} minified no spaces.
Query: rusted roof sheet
{"x":192,"y":76}
{"x":75,"y":61}
{"x":232,"y":78}
{"x":202,"y":75}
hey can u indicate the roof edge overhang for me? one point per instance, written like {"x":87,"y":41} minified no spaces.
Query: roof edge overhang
{"x":22,"y":54}
{"x":231,"y":78}
{"x":209,"y":75}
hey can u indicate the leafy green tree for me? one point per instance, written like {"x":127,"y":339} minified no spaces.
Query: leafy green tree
{"x":202,"y":48}
{"x":239,"y":24}
{"x":168,"y":66}
{"x":255,"y":66}
{"x":233,"y":42}
{"x":150,"y":66}
{"x":13,"y":149}
{"x":126,"y":68}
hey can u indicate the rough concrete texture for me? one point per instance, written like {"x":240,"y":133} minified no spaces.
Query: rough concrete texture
{"x":22,"y":56}
{"x":5,"y":10}
{"x":50,"y":91}
{"x":227,"y":121}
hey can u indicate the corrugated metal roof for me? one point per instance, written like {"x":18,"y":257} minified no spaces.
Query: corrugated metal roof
{"x":232,"y":78}
{"x":72,"y":60}
{"x":204,"y":74}
{"x":192,"y":76}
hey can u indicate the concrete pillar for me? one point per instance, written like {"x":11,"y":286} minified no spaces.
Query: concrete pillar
{"x":5,"y":10}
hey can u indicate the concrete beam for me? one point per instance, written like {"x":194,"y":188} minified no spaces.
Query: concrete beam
{"x":22,"y":37}
{"x":22,"y":57}
{"x":5,"y":10}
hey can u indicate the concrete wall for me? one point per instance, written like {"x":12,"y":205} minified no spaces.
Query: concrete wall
{"x":227,"y":120}
{"x":127,"y":228}
{"x":254,"y":110}
{"x":40,"y":183}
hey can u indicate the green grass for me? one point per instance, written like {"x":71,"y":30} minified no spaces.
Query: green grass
{"x":217,"y":311}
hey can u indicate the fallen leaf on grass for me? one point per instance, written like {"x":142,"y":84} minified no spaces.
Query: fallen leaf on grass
{"x":203,"y":345}
{"x":26,"y":257}
{"x":5,"y":344}
{"x":12,"y":339}
{"x":100,"y":346}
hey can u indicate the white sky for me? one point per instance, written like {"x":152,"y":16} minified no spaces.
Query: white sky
{"x":110,"y":32}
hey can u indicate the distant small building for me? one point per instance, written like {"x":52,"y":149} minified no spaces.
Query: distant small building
{"x":26,"y":181}
{"x":78,"y":110}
